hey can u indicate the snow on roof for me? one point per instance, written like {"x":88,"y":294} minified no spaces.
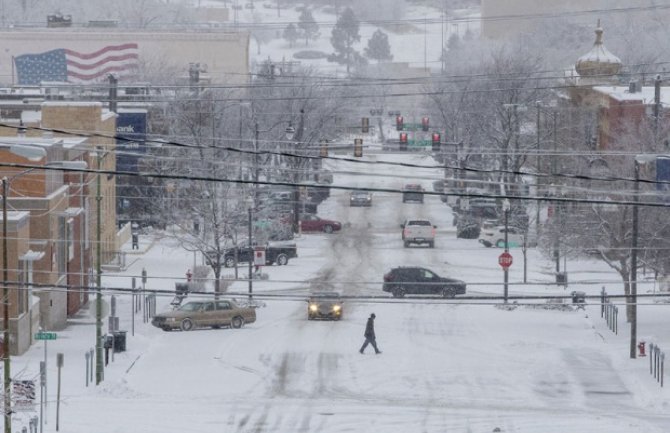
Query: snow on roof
{"x":30,"y":116}
{"x":646,"y":94}
{"x":15,"y":215}
{"x":72,"y":103}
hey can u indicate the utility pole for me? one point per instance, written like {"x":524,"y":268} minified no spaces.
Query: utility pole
{"x":5,"y":309}
{"x":657,"y":104}
{"x":557,"y":252}
{"x":537,"y":168}
{"x":253,"y":256}
{"x":633,"y":265}
{"x":98,"y":296}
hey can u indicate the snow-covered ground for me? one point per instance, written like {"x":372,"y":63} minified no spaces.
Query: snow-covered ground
{"x":447,"y":366}
{"x":412,"y":40}
{"x":455,"y":366}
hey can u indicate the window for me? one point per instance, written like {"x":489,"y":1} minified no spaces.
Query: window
{"x":428,"y":275}
{"x":23,"y":292}
{"x":223,"y":305}
{"x":61,"y":246}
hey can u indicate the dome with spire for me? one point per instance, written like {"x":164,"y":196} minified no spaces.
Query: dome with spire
{"x":599,"y":61}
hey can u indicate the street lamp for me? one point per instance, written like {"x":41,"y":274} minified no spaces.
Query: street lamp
{"x":506,"y":207}
{"x":250,"y":203}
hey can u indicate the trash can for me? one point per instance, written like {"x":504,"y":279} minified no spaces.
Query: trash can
{"x":120,"y":341}
{"x":107,"y":341}
{"x":578,"y":297}
{"x":562,"y":278}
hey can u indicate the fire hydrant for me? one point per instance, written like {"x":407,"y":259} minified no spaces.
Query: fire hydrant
{"x":641,"y":348}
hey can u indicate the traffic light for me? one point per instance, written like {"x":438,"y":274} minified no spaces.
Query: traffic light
{"x":403,"y":141}
{"x":323,"y":149}
{"x":425,"y":123}
{"x":436,"y":141}
{"x":358,"y":147}
{"x":365,"y":127}
{"x":399,"y":123}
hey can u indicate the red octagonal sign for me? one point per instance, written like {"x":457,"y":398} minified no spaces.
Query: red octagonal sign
{"x":505,"y":260}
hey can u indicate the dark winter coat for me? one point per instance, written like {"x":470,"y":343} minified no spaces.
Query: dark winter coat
{"x":370,"y":328}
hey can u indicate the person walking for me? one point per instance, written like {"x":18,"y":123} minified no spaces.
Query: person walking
{"x":370,"y":335}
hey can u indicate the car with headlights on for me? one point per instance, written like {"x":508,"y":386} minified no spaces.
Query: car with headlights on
{"x":324,"y":305}
{"x":360,"y":198}
{"x":210,"y":313}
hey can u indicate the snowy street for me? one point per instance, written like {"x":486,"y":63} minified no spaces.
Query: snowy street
{"x":447,"y":365}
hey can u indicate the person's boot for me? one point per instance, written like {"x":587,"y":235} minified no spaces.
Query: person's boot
{"x":360,"y":351}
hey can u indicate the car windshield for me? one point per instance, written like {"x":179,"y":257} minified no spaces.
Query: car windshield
{"x":321,"y":295}
{"x":191,"y":306}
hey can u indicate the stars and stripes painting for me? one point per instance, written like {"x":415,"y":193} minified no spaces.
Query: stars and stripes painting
{"x":77,"y":67}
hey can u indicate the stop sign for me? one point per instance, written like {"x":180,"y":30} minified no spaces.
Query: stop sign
{"x":505,"y":260}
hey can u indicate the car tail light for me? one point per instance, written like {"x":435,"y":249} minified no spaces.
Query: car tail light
{"x":404,"y":232}
{"x":433,"y":231}
{"x":387,"y":277}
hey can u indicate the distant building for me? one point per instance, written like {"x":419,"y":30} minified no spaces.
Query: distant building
{"x":81,"y":54}
{"x":508,"y":18}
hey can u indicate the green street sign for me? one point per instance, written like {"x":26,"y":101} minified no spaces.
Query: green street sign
{"x":420,"y":143}
{"x":45,"y":336}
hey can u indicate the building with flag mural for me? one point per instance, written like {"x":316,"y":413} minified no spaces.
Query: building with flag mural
{"x":88,"y":55}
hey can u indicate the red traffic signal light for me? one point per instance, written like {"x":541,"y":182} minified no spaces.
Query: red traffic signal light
{"x":399,"y":123}
{"x":403,"y":137}
{"x":425,"y":123}
{"x":436,"y":142}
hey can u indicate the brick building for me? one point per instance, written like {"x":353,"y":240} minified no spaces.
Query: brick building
{"x":23,"y":307}
{"x":62,"y":205}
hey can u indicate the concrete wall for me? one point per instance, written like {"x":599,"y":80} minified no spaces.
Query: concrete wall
{"x":226,"y":54}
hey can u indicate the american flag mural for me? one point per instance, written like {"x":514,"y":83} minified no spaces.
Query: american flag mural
{"x":76,"y":67}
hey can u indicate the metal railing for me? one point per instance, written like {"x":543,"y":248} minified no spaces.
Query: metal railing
{"x":656,"y":362}
{"x":609,"y":312}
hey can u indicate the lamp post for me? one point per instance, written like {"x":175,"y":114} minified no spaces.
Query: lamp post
{"x":250,"y":202}
{"x":290,"y":133}
{"x":506,"y":208}
{"x":99,"y":365}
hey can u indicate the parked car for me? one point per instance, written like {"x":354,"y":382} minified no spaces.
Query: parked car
{"x":324,"y":305}
{"x":276,"y":252}
{"x":360,"y":198}
{"x":467,"y":227}
{"x":412,"y":192}
{"x":198,"y":314}
{"x":495,"y":236}
{"x":416,"y":280}
{"x":313,"y":223}
{"x":415,"y":231}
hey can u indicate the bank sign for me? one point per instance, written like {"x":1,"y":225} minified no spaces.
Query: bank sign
{"x":131,"y":132}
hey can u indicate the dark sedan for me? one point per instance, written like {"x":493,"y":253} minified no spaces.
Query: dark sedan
{"x":360,"y":198}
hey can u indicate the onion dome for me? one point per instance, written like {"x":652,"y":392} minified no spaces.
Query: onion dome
{"x":599,"y":61}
